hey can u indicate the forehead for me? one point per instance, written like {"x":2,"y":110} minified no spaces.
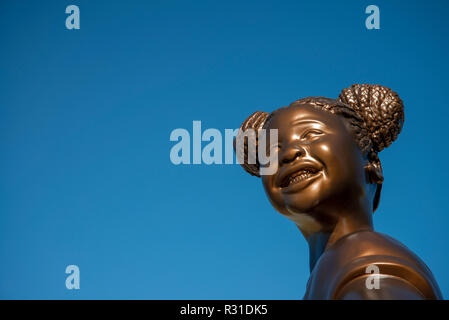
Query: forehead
{"x":288,"y":116}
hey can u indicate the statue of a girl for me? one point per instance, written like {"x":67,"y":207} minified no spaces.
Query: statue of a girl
{"x":329,"y":181}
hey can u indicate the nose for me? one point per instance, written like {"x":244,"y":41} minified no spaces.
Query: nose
{"x":291,"y":153}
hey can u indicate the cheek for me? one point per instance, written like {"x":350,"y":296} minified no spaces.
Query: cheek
{"x":324,"y":151}
{"x":329,"y":152}
{"x":340,"y":157}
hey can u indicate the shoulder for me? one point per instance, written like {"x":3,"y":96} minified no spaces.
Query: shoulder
{"x":351,"y":261}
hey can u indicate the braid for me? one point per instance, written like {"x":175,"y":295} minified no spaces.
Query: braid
{"x":255,"y":121}
{"x":380,"y":107}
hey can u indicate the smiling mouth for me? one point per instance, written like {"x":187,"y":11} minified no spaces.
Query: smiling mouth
{"x":299,"y":176}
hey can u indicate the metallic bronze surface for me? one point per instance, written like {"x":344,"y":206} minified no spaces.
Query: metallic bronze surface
{"x":329,"y":182}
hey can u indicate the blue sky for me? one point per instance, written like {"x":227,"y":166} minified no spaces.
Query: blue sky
{"x":85,"y":120}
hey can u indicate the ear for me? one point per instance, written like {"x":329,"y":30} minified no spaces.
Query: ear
{"x":374,"y":175}
{"x":373,"y":172}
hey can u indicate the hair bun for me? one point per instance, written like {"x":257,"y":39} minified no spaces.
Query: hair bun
{"x":255,"y":122}
{"x":380,"y":107}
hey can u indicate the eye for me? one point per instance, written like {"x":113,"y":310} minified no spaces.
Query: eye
{"x":311,"y":133}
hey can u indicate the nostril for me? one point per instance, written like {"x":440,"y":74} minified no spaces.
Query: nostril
{"x":291,"y":155}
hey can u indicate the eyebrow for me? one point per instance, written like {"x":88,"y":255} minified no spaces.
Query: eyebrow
{"x":307,"y":121}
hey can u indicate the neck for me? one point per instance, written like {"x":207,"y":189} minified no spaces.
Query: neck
{"x":320,"y":241}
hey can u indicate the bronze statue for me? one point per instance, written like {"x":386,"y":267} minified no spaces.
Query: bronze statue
{"x":329,"y":181}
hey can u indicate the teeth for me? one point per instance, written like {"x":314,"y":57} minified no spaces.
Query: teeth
{"x":299,"y":176}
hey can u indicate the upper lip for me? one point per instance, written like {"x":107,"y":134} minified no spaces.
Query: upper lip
{"x":292,"y":169}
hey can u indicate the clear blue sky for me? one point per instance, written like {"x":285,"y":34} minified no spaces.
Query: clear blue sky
{"x":85,"y":120}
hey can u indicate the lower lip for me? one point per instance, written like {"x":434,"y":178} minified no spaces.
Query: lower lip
{"x":301,"y":184}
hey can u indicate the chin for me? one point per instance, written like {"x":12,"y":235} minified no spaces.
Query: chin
{"x":306,"y":200}
{"x":301,"y":206}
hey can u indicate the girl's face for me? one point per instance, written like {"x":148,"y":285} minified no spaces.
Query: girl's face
{"x":320,"y":169}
